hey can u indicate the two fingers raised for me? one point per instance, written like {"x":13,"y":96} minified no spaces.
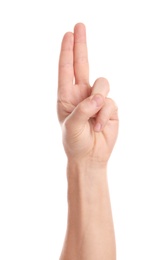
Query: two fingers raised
{"x":73,"y":60}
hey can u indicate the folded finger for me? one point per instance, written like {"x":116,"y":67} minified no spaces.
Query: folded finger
{"x":107,"y":112}
{"x":101,"y":86}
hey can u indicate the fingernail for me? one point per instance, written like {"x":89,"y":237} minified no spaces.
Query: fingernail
{"x":98,"y":99}
{"x":97,"y":127}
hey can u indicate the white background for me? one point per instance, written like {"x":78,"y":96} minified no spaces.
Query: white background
{"x":126,"y":45}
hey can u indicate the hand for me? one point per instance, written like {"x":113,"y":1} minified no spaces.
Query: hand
{"x":88,"y":118}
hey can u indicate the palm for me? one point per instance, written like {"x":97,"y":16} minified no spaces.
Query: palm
{"x":73,"y":64}
{"x":69,"y":100}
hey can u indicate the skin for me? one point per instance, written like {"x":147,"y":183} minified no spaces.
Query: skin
{"x":89,"y":123}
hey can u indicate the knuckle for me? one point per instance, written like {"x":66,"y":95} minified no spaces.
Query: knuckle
{"x":112,"y":107}
{"x":115,"y":107}
{"x":112,"y":103}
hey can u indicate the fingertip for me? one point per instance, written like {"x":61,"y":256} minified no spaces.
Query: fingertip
{"x":80,"y":33}
{"x":68,"y":35}
{"x":67,"y":42}
{"x":79,"y":26}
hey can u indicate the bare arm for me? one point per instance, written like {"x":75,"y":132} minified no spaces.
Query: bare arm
{"x":89,"y":123}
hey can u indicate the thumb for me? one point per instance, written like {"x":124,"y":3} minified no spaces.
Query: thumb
{"x":85,"y":110}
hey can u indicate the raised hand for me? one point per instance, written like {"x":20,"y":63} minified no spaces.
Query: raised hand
{"x":89,"y":119}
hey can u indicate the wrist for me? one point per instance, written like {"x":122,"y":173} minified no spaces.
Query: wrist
{"x":87,"y":166}
{"x":87,"y":181}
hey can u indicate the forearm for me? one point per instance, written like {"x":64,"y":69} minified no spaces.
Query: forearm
{"x":90,"y":232}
